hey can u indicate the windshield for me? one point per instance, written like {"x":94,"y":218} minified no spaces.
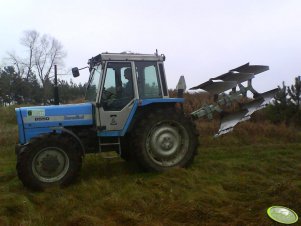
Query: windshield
{"x":93,"y":84}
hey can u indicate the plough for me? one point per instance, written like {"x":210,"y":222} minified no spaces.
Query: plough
{"x":233,"y":80}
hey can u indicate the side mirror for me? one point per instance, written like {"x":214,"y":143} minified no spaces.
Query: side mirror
{"x":75,"y":72}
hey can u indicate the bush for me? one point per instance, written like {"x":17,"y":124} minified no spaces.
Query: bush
{"x":7,"y":115}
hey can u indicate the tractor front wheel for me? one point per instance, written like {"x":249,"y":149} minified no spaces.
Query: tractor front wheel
{"x":47,"y":161}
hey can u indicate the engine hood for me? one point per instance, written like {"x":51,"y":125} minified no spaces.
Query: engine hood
{"x":56,"y":115}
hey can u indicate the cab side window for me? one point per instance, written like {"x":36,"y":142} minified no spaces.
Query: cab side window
{"x":148,"y":80}
{"x":118,"y":90}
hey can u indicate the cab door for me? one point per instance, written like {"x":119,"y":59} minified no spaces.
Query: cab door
{"x":116,"y":99}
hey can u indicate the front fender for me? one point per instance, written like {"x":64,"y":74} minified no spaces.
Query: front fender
{"x":19,"y":148}
{"x":70,"y":133}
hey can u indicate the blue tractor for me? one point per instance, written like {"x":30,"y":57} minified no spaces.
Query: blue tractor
{"x":128,"y":110}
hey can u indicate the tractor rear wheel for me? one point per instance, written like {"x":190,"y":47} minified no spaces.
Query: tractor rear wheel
{"x":49,"y":160}
{"x":165,"y":139}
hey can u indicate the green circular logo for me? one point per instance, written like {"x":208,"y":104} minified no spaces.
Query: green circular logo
{"x":282,"y":214}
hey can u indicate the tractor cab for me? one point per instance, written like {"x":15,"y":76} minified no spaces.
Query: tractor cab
{"x":126,"y":76}
{"x":119,"y":82}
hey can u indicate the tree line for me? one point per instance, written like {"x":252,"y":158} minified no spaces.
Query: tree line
{"x":28,"y":79}
{"x":15,"y":89}
{"x":286,"y":106}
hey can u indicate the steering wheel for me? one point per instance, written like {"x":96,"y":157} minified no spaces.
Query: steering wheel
{"x":107,"y":94}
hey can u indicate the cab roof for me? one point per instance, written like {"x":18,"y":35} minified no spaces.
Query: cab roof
{"x":126,"y":56}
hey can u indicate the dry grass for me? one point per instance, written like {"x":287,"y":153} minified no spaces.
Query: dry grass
{"x":232,"y":181}
{"x":247,"y":133}
{"x":8,"y":127}
{"x":225,"y":186}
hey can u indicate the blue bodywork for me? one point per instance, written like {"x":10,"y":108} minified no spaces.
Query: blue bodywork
{"x":34,"y":121}
{"x":140,"y":103}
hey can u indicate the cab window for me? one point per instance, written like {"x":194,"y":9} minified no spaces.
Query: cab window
{"x":148,"y":80}
{"x":118,"y":90}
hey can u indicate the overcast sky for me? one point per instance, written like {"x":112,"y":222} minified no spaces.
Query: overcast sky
{"x":201,"y":39}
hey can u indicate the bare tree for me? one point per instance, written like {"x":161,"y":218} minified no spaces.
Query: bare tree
{"x":16,"y":62}
{"x":42,"y":52}
{"x":48,"y":53}
{"x":29,"y":40}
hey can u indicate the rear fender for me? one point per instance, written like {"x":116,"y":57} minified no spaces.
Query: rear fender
{"x":145,"y":109}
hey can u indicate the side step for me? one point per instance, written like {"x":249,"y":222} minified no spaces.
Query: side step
{"x":110,"y":147}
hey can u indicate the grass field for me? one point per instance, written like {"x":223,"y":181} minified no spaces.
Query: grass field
{"x":233,"y":180}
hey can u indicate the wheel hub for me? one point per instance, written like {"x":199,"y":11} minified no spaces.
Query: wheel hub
{"x":50,"y":164}
{"x":167,"y":143}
